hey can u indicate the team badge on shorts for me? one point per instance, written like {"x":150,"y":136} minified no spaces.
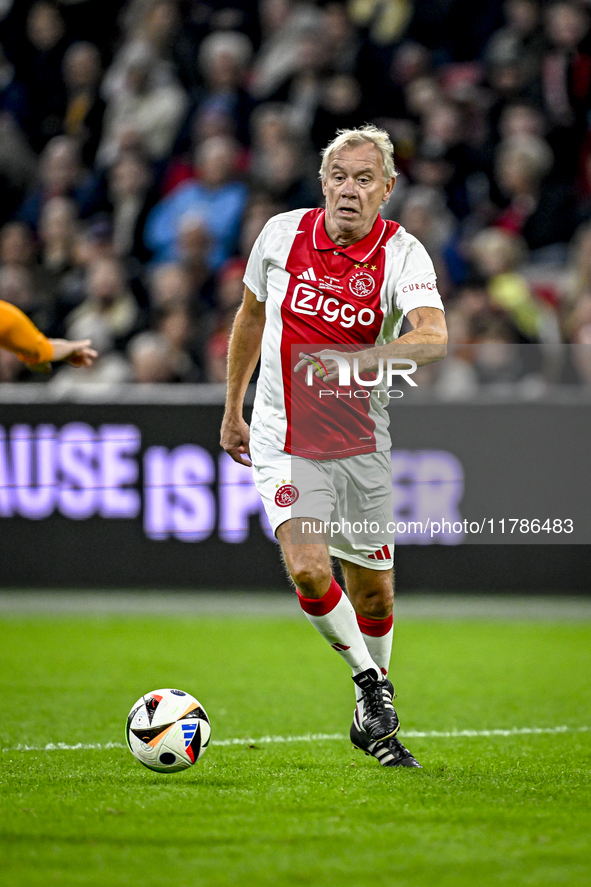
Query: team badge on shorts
{"x":362,"y":284}
{"x":286,"y":495}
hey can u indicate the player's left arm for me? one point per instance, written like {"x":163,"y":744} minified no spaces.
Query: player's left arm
{"x":425,"y":343}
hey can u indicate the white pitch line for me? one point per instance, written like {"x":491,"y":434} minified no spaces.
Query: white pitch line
{"x":318,"y":737}
{"x":409,"y":734}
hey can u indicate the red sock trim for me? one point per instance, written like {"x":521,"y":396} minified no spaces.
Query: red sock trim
{"x":321,"y":606}
{"x":375,"y":628}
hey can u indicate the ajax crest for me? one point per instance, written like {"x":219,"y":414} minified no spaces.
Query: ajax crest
{"x":286,"y":495}
{"x":362,"y":284}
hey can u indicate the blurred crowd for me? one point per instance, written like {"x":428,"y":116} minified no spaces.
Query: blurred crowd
{"x":144,"y":144}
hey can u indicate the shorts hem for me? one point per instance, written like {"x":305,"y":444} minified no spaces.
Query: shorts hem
{"x":360,"y":559}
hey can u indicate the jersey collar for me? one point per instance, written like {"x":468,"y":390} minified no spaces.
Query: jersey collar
{"x":359,"y":251}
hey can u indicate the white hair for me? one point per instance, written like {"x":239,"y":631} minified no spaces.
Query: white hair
{"x":534,"y":152}
{"x":149,"y":342}
{"x":235,"y":43}
{"x":368,"y":133}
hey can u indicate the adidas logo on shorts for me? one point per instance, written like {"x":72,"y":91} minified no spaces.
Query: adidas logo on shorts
{"x":382,"y":554}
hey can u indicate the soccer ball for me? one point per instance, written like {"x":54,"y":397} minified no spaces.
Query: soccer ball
{"x":167,"y":730}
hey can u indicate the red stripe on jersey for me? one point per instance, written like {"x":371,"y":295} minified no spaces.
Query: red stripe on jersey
{"x":386,"y":551}
{"x":375,"y":628}
{"x":339,"y":309}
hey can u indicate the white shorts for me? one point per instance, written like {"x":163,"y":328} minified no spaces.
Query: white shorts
{"x":351,"y":497}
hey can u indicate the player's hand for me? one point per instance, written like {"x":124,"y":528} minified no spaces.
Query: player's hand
{"x":77,"y":353}
{"x":235,"y":440}
{"x":324,"y":368}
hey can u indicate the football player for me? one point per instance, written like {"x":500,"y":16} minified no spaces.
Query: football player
{"x":338,"y":281}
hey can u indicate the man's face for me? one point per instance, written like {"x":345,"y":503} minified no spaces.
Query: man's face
{"x":354,"y":189}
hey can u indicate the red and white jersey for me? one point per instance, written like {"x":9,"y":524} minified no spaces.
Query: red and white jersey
{"x":319,"y":295}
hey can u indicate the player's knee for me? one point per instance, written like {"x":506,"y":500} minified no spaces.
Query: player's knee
{"x":312,"y":579}
{"x":377,"y":603}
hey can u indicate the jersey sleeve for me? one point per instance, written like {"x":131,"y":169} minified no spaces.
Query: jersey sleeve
{"x":417,"y":284}
{"x":255,"y":276}
{"x":19,"y":335}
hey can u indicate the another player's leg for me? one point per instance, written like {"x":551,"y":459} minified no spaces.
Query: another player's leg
{"x":372,"y":595}
{"x":331,"y":613}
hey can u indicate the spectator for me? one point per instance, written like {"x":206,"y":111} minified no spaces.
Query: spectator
{"x":214,"y":194}
{"x":578,"y":269}
{"x":422,"y":95}
{"x":261,"y":207}
{"x":301,"y":90}
{"x":521,"y":119}
{"x":40,"y":69}
{"x":177,"y":328}
{"x":443,"y":140}
{"x":564,"y":83}
{"x":223,"y":59}
{"x":283,"y":177}
{"x":14,"y":97}
{"x":16,"y":287}
{"x":152,"y":359}
{"x":230,"y":293}
{"x":148,"y":28}
{"x":386,"y":23}
{"x":131,"y":196}
{"x":285,"y":26}
{"x":18,"y":167}
{"x":146,"y":111}
{"x":340,"y":40}
{"x":57,"y":230}
{"x":340,"y":107}
{"x":169,"y":288}
{"x":425,"y":215}
{"x":61,"y":174}
{"x":270,"y":127}
{"x":16,"y":245}
{"x":109,"y":313}
{"x":181,"y":316}
{"x":520,"y":38}
{"x":281,"y":165}
{"x":541,"y":211}
{"x":496,"y":255}
{"x":151,"y":23}
{"x":84,"y":108}
{"x":91,"y":241}
{"x":56,"y":238}
{"x":194,"y":249}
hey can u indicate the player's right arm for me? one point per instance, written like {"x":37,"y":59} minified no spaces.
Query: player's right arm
{"x":20,"y":335}
{"x":243,"y":353}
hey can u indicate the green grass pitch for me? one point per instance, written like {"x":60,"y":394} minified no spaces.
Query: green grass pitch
{"x":485,"y":810}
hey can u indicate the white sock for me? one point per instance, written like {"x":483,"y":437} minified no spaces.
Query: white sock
{"x":378,"y":635}
{"x":334,"y":617}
